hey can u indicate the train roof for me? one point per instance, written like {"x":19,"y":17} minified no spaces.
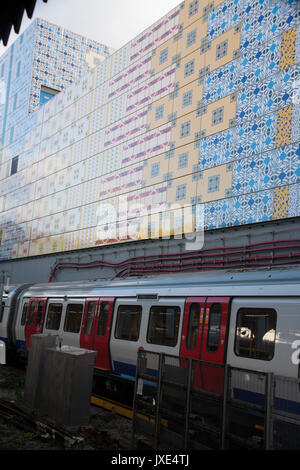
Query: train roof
{"x":274,"y":281}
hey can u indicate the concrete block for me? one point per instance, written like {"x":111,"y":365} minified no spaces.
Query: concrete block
{"x":38,"y":345}
{"x":67,"y":385}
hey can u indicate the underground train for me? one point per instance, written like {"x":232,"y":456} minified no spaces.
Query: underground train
{"x":248,"y":319}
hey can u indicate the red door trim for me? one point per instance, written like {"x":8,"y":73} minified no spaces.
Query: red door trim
{"x":184,"y":351}
{"x":206,"y":376}
{"x":101,"y":343}
{"x":219,"y":355}
{"x":86,"y":341}
{"x":32,"y":329}
{"x":93,"y":341}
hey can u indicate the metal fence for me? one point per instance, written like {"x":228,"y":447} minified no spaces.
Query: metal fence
{"x":182,"y":403}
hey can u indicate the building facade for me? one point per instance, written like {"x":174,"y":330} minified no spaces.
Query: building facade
{"x":193,"y":125}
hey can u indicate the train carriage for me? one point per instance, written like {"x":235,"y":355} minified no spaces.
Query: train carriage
{"x":249,"y":320}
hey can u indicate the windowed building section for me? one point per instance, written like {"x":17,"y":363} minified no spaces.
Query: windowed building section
{"x":200,"y":109}
{"x":46,"y":93}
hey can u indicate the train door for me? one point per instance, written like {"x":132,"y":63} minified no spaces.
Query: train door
{"x":96,"y":329}
{"x":204,"y":338}
{"x":35,"y":318}
{"x":192,"y":327}
{"x":214,"y":342}
{"x":87,"y":328}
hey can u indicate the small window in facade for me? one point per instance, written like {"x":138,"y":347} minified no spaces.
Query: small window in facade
{"x":31,"y":312}
{"x":53,"y":316}
{"x":185,"y":129}
{"x":221,"y":50}
{"x":193,"y":7}
{"x":180,"y":192}
{"x":39,"y":313}
{"x":189,"y":68}
{"x":213,"y":183}
{"x":73,"y":318}
{"x":214,"y":327}
{"x":191,"y":38}
{"x":14,"y":165}
{"x":103,"y":318}
{"x":187,"y":98}
{"x":159,"y":112}
{"x":155,"y":169}
{"x":24,"y":313}
{"x":2,"y":311}
{"x":128,"y":322}
{"x":217,"y":116}
{"x":163,"y":325}
{"x":90,"y":313}
{"x":163,"y":56}
{"x":47,"y":93}
{"x":193,"y":326}
{"x":255,"y":333}
{"x":183,"y":160}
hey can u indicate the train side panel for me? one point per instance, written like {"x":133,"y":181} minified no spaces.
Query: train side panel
{"x":262,"y":338}
{"x":4,"y":316}
{"x":154,"y":325}
{"x":19,"y":324}
{"x":58,"y":317}
{"x":64,"y":319}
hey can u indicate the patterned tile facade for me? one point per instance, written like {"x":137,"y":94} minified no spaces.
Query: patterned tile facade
{"x":194,"y":123}
{"x":281,"y":202}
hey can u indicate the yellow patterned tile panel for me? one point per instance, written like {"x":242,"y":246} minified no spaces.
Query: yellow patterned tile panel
{"x":284,"y":126}
{"x":281,"y":202}
{"x":288,"y":48}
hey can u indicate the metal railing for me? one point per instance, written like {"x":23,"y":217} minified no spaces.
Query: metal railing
{"x":182,"y":403}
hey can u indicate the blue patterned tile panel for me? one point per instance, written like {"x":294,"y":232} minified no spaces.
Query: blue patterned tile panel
{"x":297,"y":56}
{"x":264,"y":19}
{"x":224,"y":17}
{"x":267,"y":96}
{"x":296,"y":119}
{"x":247,"y":70}
{"x":294,"y":200}
{"x":245,"y":209}
{"x":278,"y":167}
{"x":217,"y":149}
{"x":247,"y":139}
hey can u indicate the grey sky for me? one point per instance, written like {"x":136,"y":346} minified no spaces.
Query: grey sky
{"x":112,"y":22}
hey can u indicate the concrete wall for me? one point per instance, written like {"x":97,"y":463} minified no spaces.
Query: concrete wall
{"x":38,"y":268}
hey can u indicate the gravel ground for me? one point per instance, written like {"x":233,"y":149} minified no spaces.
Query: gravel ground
{"x":106,"y":430}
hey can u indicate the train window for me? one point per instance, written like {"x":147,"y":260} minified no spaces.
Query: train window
{"x":73,"y":318}
{"x":2,"y":311}
{"x":31,"y":312}
{"x":103,"y":317}
{"x":255,"y":333}
{"x":91,"y":308}
{"x":54,"y":316}
{"x":24,"y":313}
{"x":193,"y":326}
{"x":214,"y":327}
{"x":163,"y":325}
{"x":128,"y":322}
{"x":39,"y":313}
